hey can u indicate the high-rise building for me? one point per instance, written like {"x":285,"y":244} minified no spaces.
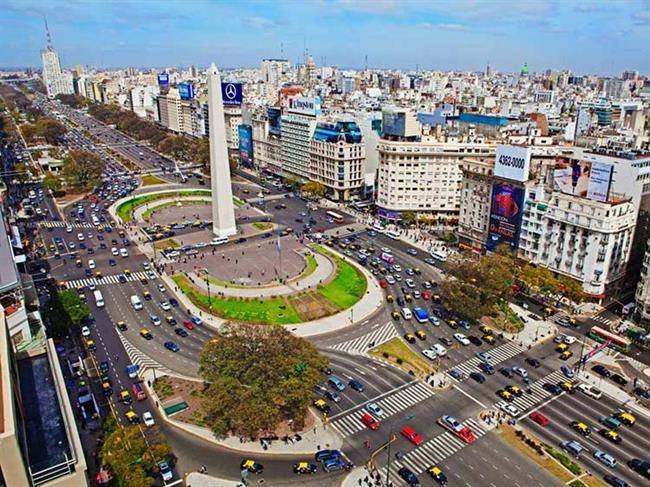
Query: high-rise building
{"x":57,"y":82}
{"x":273,"y":70}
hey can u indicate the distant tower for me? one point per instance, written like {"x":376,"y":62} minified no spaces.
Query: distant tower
{"x":223,"y":210}
{"x":524,"y":70}
{"x":56,"y":81}
{"x":488,"y":70}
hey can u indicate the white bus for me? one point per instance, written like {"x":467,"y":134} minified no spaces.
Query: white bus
{"x":336,"y":217}
{"x":439,"y":255}
{"x":393,"y":235}
{"x":99,"y":298}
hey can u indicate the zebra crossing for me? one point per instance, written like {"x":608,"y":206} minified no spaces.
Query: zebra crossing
{"x":498,"y":354}
{"x":135,"y":276}
{"x":62,"y":224}
{"x":437,"y":449}
{"x":360,"y":345}
{"x":528,"y":401}
{"x":349,"y":423}
{"x":607,"y":321}
{"x":137,"y":357}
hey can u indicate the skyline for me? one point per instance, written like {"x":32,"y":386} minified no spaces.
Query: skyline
{"x":585,"y":37}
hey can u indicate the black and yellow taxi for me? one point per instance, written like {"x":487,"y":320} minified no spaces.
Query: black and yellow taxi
{"x":581,"y":428}
{"x":486,"y":330}
{"x":567,"y":386}
{"x":107,"y":390}
{"x":82,"y":296}
{"x":322,"y":406}
{"x":409,"y":337}
{"x":121,"y":326}
{"x":435,"y":298}
{"x":437,"y":474}
{"x":147,"y":295}
{"x":489,"y":339}
{"x":566,"y":355}
{"x":98,"y":275}
{"x":395,"y":315}
{"x":146,"y":334}
{"x":390,"y":298}
{"x":417,"y":270}
{"x":515,"y":390}
{"x":408,"y":298}
{"x":78,"y":263}
{"x":562,"y":347}
{"x":610,"y":435}
{"x":626,"y":418}
{"x":453,"y":324}
{"x":421,"y":334}
{"x":505,"y":395}
{"x":52,"y":248}
{"x":251,"y":465}
{"x":132,"y":417}
{"x":91,"y":345}
{"x":125,"y":397}
{"x":304,"y":468}
{"x":127,"y":272}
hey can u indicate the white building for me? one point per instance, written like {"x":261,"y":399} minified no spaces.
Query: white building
{"x":57,"y":82}
{"x":273,"y":70}
{"x":295,"y":149}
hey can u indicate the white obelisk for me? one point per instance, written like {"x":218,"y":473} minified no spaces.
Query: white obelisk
{"x":223,"y":210}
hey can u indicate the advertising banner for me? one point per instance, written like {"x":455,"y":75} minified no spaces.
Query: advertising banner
{"x":304,"y":105}
{"x":505,"y":215}
{"x":186,"y":91}
{"x":232,"y":93}
{"x":599,"y":181}
{"x":393,"y":123}
{"x":512,"y":162}
{"x":275,"y":115}
{"x":583,"y":178}
{"x":246,"y":145}
{"x":163,"y":79}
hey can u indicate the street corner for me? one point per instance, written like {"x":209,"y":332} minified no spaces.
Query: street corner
{"x":358,"y":476}
{"x":196,"y":479}
{"x":439,"y":381}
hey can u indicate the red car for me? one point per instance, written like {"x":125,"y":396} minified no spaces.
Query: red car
{"x":369,"y":421}
{"x":426,"y":295}
{"x":410,"y":434}
{"x":539,"y":418}
{"x":188,"y":324}
{"x":383,"y":284}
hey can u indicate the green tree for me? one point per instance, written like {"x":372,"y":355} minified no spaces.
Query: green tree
{"x":129,"y":458}
{"x":65,"y":311}
{"x":82,"y":170}
{"x":408,"y":217}
{"x":50,"y":130}
{"x":571,"y":289}
{"x":28,"y":131}
{"x":21,"y":172}
{"x":52,"y":182}
{"x":257,"y":377}
{"x":176,"y":146}
{"x":314,"y":188}
{"x":203,"y":151}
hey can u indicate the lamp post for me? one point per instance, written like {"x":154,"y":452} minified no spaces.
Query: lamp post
{"x":390,"y":438}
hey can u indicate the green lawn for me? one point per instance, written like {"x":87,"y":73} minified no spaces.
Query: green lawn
{"x":262,"y":225}
{"x":347,"y":287}
{"x":237,"y":201}
{"x":271,"y":311}
{"x":125,"y":209}
{"x":149,"y":180}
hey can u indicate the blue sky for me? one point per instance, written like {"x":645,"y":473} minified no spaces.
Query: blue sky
{"x":603,"y":36}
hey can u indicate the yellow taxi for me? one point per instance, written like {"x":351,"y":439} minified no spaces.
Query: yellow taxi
{"x":417,"y":270}
{"x":91,"y":345}
{"x":125,"y":397}
{"x":409,"y":337}
{"x":504,"y":394}
{"x":252,"y":466}
{"x":453,"y":324}
{"x":408,"y":298}
{"x":146,"y":295}
{"x":78,"y":263}
{"x":304,"y":468}
{"x":610,"y":435}
{"x":581,"y":428}
{"x":98,"y":275}
{"x":322,"y":406}
{"x":390,"y":298}
{"x":567,"y":386}
{"x":82,"y":296}
{"x":127,"y":272}
{"x":625,"y":418}
{"x":395,"y":315}
{"x":515,"y":390}
{"x":437,"y":475}
{"x":132,"y":417}
{"x":421,"y":334}
{"x":488,"y":339}
{"x":435,"y":298}
{"x":52,"y":248}
{"x":146,"y":334}
{"x":107,"y":389}
{"x":562,"y":347}
{"x":566,"y":355}
{"x":121,"y":326}
{"x":486,"y":330}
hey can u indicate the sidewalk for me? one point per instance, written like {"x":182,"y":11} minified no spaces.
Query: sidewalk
{"x":614,"y":392}
{"x":535,"y":331}
{"x":196,"y":479}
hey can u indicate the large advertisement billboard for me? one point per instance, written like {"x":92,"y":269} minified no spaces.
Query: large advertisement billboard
{"x":186,"y":91}
{"x":583,"y":178}
{"x":163,"y":79}
{"x":393,"y":123}
{"x":304,"y":105}
{"x":505,"y":215}
{"x":275,"y":116}
{"x":232,"y":93}
{"x":246,"y":145}
{"x":512,"y":162}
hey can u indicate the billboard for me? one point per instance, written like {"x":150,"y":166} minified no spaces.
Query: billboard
{"x":246,"y":145}
{"x":304,"y":105}
{"x":505,"y":215}
{"x":275,"y":115}
{"x":163,"y":79}
{"x":186,"y":91}
{"x":393,"y":123}
{"x":512,"y":162}
{"x":232,"y":93}
{"x":583,"y":178}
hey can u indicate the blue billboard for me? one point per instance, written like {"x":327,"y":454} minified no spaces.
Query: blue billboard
{"x":232,"y":93}
{"x":275,"y":116}
{"x":186,"y":91}
{"x":246,"y":145}
{"x":163,"y":79}
{"x":505,"y":216}
{"x":393,"y":123}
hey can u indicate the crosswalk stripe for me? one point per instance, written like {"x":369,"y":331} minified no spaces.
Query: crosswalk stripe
{"x":360,"y":345}
{"x":112,"y":279}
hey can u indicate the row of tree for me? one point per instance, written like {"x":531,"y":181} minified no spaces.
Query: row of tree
{"x":476,"y":287}
{"x":65,"y":311}
{"x":45,"y":128}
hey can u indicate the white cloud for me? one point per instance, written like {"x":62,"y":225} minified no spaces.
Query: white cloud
{"x":259,"y":22}
{"x":642,"y":18}
{"x":445,"y":26}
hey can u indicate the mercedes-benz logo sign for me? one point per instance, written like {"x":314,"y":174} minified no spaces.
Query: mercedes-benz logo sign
{"x":231,"y":91}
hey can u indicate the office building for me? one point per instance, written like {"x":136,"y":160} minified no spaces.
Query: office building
{"x":274,"y":70}
{"x":297,"y":129}
{"x":56,"y":81}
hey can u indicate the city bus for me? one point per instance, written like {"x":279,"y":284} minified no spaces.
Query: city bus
{"x":99,"y":298}
{"x":393,"y":235}
{"x":336,"y":217}
{"x":601,"y":335}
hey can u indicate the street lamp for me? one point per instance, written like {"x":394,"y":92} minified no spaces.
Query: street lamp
{"x":390,"y":440}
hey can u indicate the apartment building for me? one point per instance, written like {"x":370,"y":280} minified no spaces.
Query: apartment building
{"x":178,"y":115}
{"x":266,"y":146}
{"x":475,"y":197}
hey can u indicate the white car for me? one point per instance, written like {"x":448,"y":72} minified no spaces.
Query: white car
{"x":461,"y":338}
{"x":386,"y":250}
{"x":68,"y":229}
{"x":390,"y":279}
{"x":124,"y":253}
{"x":200,"y":245}
{"x":165,"y":305}
{"x":397,"y":267}
{"x":590,"y":391}
{"x":570,"y":340}
{"x":440,"y":350}
{"x":80,"y":237}
{"x":430,"y":354}
{"x":508,"y":408}
{"x":85,"y":331}
{"x":374,"y":409}
{"x":410,"y":283}
{"x":145,"y":265}
{"x":115,"y":252}
{"x":147,"y":418}
{"x":161,"y":288}
{"x":91,"y":264}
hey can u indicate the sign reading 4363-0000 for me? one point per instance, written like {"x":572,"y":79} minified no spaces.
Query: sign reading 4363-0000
{"x":512,"y":162}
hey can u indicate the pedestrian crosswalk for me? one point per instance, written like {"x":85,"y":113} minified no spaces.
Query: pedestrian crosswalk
{"x":360,"y":345}
{"x":349,"y":423}
{"x":437,"y":449}
{"x":134,"y":276}
{"x":499,"y":354}
{"x":606,"y":319}
{"x":139,"y":358}
{"x":539,"y":394}
{"x":62,"y":224}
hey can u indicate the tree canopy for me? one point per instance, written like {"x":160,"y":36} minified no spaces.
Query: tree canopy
{"x":65,"y":310}
{"x":50,"y":129}
{"x":314,"y":188}
{"x":82,"y":170}
{"x":256,"y":377}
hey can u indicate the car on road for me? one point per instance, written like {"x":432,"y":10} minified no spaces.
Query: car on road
{"x":533,"y":362}
{"x":572,"y":447}
{"x":475,"y":340}
{"x":181,"y":332}
{"x":132,"y":417}
{"x":462,"y":339}
{"x":447,"y":341}
{"x":506,"y":371}
{"x":430,"y":353}
{"x":615,"y":481}
{"x":456,"y":373}
{"x":581,"y":428}
{"x":640,"y":466}
{"x":477,"y":376}
{"x":369,"y":421}
{"x":508,"y":408}
{"x":171,"y":346}
{"x":521,"y":372}
{"x":112,"y":262}
{"x":505,"y":395}
{"x":610,"y":435}
{"x":605,"y":458}
{"x":85,"y":331}
{"x":411,"y":251}
{"x":567,"y":371}
{"x":155,"y":319}
{"x":626,"y":418}
{"x":196,"y":320}
{"x":408,"y":476}
{"x":188,"y":324}
{"x":485,"y":356}
{"x":165,"y":306}
{"x":146,"y":334}
{"x":121,"y":326}
{"x":114,"y":251}
{"x":356,"y":385}
{"x":539,"y":418}
{"x":601,"y":370}
{"x":590,"y":391}
{"x":375,"y":410}
{"x":457,"y":428}
{"x":165,"y":471}
{"x":161,"y":288}
{"x":487,"y":367}
{"x":147,"y":419}
{"x":552,"y":388}
{"x":619,"y":379}
{"x":322,"y":406}
{"x":251,"y":465}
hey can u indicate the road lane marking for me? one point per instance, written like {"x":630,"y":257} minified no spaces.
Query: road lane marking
{"x":457,"y":387}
